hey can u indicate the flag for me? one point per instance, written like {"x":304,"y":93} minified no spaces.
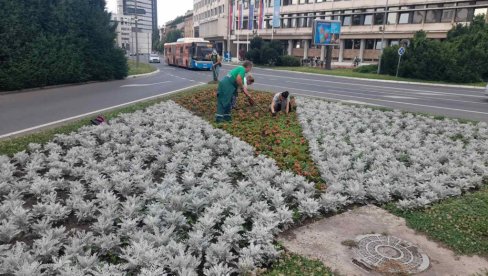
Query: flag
{"x":250,"y":25}
{"x":261,"y":14}
{"x":276,"y":13}
{"x":241,"y":23}
{"x":231,"y":15}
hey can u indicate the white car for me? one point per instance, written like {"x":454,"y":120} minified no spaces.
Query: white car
{"x":153,"y":58}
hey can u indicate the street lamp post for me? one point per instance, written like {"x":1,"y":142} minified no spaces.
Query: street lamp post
{"x":383,"y":35}
{"x":137,"y":31}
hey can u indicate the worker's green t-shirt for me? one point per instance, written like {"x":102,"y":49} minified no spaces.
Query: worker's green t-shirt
{"x":236,"y":72}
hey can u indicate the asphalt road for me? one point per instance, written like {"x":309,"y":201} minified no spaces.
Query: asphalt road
{"x":27,"y":110}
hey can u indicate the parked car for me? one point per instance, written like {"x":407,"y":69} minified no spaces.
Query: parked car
{"x":153,"y":58}
{"x":486,"y":90}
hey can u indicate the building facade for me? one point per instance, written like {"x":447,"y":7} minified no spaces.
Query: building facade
{"x":145,"y":12}
{"x":211,"y":22}
{"x":189,"y":30}
{"x":362,"y":23}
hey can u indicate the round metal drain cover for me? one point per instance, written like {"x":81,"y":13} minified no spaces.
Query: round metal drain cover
{"x":388,"y":254}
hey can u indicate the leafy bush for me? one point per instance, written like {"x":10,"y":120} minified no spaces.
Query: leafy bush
{"x":389,"y":60}
{"x":269,"y":56}
{"x":254,"y":55}
{"x":257,"y":43}
{"x":462,"y":57}
{"x":369,"y":69}
{"x":63,"y":42}
{"x":289,"y":61}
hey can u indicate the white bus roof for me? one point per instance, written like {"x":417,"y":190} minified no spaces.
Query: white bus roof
{"x":188,"y":40}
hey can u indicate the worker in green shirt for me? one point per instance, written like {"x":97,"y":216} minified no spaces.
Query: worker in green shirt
{"x":227,"y":88}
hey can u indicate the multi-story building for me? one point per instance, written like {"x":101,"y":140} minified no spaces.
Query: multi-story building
{"x":189,"y":30}
{"x":211,"y":21}
{"x":362,"y":22}
{"x":145,"y":13}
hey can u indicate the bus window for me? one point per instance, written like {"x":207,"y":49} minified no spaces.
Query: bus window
{"x":203,"y":51}
{"x":181,"y":50}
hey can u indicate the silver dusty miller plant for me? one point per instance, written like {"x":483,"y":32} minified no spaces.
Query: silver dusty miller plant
{"x":156,"y":192}
{"x":368,"y":155}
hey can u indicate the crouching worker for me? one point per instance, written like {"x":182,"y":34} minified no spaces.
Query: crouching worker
{"x":280,"y":102}
{"x":228,"y":88}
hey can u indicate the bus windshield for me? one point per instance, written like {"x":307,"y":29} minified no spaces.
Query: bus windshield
{"x":203,"y":51}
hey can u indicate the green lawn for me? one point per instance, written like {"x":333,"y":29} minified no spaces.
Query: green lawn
{"x":143,"y":68}
{"x":351,"y":73}
{"x":295,"y":265}
{"x":461,"y":223}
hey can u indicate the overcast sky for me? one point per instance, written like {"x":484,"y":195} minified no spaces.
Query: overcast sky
{"x":167,"y":9}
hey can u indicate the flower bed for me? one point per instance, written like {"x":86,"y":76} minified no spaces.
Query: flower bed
{"x":154,"y":192}
{"x":367,"y":155}
{"x":277,"y":137}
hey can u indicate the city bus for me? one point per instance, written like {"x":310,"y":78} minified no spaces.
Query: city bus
{"x":191,"y":53}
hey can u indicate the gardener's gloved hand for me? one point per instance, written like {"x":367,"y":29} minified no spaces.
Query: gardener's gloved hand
{"x":251,"y":101}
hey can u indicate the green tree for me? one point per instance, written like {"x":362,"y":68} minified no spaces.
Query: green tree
{"x":173,"y":36}
{"x":53,"y":42}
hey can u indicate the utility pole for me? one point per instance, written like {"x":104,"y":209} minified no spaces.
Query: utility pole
{"x":137,"y":31}
{"x":383,"y":35}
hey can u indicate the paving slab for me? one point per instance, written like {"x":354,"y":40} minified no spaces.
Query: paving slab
{"x":350,"y":242}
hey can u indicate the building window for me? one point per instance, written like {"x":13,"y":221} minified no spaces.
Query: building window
{"x":418,"y":16}
{"x":346,"y":20}
{"x":302,"y":21}
{"x":286,"y":21}
{"x":293,"y":23}
{"x":379,"y":17}
{"x":433,"y":16}
{"x":357,"y":19}
{"x":394,"y":42}
{"x":369,"y":45}
{"x":392,"y":18}
{"x":368,"y":19}
{"x":348,"y":43}
{"x":448,"y":14}
{"x":404,"y":18}
{"x":464,"y":14}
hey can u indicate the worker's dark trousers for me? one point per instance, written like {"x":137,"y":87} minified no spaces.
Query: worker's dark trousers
{"x":280,"y":106}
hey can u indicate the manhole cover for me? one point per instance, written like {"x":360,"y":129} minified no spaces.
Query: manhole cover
{"x":388,"y":254}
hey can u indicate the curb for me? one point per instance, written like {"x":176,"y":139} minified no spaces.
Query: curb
{"x":143,"y":75}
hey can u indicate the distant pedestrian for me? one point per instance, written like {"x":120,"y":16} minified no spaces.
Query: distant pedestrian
{"x":216,"y":64}
{"x":227,"y":89}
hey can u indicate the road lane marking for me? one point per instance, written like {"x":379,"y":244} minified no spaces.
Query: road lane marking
{"x":143,"y":84}
{"x":96,"y":112}
{"x":379,"y":100}
{"x":400,"y":97}
{"x":360,"y":103}
{"x":375,"y":86}
{"x":385,"y":91}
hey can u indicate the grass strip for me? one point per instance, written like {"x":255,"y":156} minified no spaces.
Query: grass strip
{"x":296,"y":265}
{"x":460,"y":223}
{"x":143,"y":68}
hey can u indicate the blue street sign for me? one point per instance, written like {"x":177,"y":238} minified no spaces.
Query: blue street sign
{"x":401,"y":51}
